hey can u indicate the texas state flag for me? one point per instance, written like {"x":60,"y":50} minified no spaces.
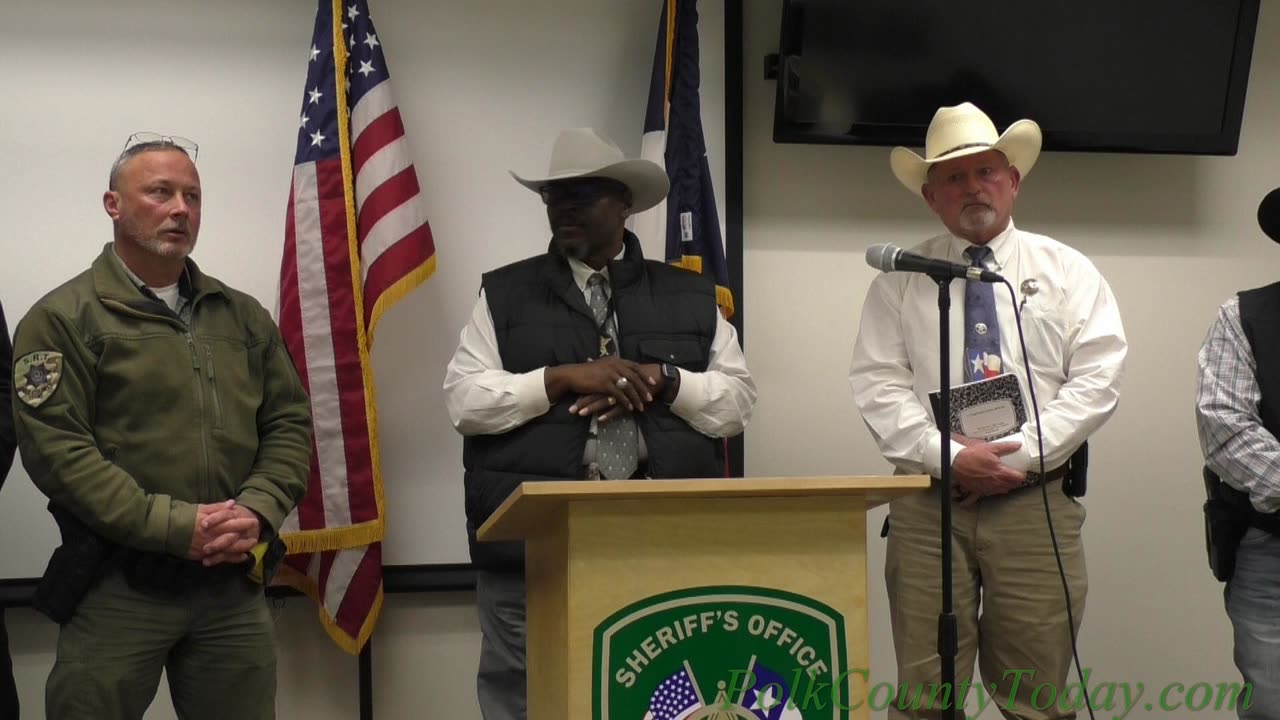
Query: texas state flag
{"x":983,"y":365}
{"x":769,"y":698}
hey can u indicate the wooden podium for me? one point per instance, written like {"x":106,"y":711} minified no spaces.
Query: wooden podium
{"x":696,"y":598}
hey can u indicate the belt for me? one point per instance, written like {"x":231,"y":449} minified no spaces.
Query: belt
{"x":157,"y":573}
{"x":1034,"y":478}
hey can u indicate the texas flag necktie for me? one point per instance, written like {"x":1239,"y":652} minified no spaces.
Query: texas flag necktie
{"x":981,"y":328}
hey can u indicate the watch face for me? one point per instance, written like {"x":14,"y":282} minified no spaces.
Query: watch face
{"x":669,"y":372}
{"x":670,"y":381}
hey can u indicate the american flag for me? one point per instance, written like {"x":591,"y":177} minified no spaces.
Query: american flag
{"x":356,"y":241}
{"x":687,"y":219}
{"x":675,"y":699}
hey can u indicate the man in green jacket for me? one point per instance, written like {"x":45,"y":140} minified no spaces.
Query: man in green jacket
{"x":159,"y":411}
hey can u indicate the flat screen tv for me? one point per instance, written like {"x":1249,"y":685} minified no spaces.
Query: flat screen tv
{"x":1152,"y":76}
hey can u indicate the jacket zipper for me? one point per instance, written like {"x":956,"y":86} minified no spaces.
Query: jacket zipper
{"x":204,"y":440}
{"x":213,"y":388}
{"x":189,"y":331}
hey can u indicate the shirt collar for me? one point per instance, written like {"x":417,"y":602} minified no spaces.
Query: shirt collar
{"x":582,"y":272}
{"x":1001,"y":247}
{"x":184,"y":282}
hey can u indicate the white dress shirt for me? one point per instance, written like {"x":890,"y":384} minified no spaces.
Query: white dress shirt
{"x":1073,"y":332}
{"x":484,"y":399}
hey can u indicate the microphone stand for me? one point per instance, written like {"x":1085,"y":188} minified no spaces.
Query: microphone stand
{"x":948,"y":637}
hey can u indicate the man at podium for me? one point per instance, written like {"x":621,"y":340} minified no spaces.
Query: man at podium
{"x":584,"y":362}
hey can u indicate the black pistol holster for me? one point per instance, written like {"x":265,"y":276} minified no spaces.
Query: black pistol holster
{"x":73,"y":568}
{"x":1228,"y":515}
{"x":1075,"y":482}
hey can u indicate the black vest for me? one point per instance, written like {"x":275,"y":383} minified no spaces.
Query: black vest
{"x":665,"y":314}
{"x":1260,"y":317}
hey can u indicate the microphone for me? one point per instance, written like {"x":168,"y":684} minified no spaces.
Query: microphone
{"x":1269,"y":215}
{"x":887,"y":258}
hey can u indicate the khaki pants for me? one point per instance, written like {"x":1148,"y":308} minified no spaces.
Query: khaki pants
{"x":1008,"y":600}
{"x":216,"y":644}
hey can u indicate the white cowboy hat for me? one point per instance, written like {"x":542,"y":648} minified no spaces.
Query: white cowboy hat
{"x":584,"y":153}
{"x":965,"y":130}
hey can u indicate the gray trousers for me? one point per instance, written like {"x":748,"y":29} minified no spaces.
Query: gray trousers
{"x":500,"y":682}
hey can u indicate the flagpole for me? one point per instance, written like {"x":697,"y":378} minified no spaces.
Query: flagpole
{"x":366,"y":681}
{"x":735,"y":455}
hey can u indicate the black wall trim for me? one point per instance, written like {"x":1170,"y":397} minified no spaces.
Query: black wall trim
{"x":455,"y":577}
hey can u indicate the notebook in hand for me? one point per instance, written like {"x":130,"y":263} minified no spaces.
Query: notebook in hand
{"x":985,"y":409}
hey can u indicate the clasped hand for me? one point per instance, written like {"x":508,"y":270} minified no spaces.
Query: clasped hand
{"x":601,"y":395}
{"x":225,"y":533}
{"x":977,"y":471}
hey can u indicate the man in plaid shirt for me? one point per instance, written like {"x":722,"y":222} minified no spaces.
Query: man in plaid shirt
{"x":1238,"y":418}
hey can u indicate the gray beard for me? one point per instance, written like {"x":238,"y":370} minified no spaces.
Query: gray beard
{"x":978,"y":221}
{"x":155,"y":246}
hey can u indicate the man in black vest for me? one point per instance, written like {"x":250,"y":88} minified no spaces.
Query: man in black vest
{"x":1238,"y":418}
{"x":585,"y":362}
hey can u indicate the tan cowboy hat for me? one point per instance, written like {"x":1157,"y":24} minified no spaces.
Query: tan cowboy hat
{"x":965,"y":130}
{"x":584,"y":153}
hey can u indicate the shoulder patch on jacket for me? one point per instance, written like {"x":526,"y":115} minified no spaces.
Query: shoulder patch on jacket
{"x":36,"y":376}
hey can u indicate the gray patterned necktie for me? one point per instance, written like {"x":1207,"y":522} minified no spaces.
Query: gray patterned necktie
{"x":617,"y":445}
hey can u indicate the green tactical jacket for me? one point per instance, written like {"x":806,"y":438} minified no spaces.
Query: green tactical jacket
{"x":127,"y":417}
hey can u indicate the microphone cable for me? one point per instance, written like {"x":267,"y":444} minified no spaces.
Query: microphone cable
{"x":1044,"y":494}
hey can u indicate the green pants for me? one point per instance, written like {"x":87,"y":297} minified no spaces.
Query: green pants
{"x":216,"y":644}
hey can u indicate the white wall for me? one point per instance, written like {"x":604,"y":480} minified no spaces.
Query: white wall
{"x":483,"y":87}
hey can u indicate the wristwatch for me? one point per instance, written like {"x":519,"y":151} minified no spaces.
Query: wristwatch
{"x":670,"y":381}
